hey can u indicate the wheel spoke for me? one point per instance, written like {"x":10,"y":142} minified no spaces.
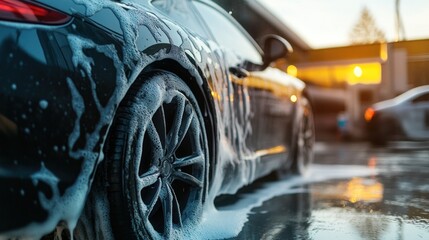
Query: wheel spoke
{"x":155,"y":197}
{"x":148,"y":178}
{"x":158,"y":120}
{"x":187,"y":178}
{"x":157,"y":147}
{"x":190,"y":160}
{"x":167,"y":207}
{"x":181,"y":124}
{"x":176,"y":206}
{"x":184,"y":127}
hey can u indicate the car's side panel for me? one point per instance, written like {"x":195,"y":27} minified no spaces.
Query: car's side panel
{"x":35,"y":94}
{"x":276,"y":107}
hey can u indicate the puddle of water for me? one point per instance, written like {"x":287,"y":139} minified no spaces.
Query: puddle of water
{"x":346,"y":223}
{"x":228,"y":221}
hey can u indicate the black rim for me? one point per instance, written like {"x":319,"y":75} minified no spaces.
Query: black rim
{"x":166,"y":167}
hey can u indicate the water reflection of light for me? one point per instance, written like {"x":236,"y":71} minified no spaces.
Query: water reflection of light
{"x":274,"y":150}
{"x":215,"y":95}
{"x":355,"y":190}
{"x":367,"y":190}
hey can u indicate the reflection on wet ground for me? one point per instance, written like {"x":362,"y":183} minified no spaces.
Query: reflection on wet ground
{"x":353,"y":192}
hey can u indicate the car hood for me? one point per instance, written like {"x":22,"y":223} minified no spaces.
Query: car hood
{"x":385,"y":104}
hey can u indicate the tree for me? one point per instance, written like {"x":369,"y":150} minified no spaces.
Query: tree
{"x":365,"y":31}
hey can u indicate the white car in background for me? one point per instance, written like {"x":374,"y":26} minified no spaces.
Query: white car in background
{"x":405,"y":117}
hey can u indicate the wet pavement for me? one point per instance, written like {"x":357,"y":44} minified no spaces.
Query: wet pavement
{"x":352,"y":192}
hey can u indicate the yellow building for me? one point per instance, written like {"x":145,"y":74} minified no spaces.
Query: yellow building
{"x":394,"y":67}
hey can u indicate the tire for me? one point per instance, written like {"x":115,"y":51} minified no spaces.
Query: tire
{"x":303,"y":153}
{"x":157,"y":160}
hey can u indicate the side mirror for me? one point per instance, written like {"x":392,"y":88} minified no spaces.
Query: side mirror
{"x":275,"y":47}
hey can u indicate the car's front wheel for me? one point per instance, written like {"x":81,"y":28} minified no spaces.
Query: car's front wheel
{"x":157,"y":160}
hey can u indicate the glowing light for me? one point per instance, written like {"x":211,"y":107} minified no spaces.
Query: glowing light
{"x":292,"y":70}
{"x":357,"y":71}
{"x":293,"y":98}
{"x":369,"y":114}
{"x":383,"y":52}
{"x":215,"y":95}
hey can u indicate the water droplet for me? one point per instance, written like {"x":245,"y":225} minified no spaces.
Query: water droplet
{"x":43,"y":104}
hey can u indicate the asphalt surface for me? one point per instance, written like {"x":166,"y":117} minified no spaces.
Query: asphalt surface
{"x":353,"y":191}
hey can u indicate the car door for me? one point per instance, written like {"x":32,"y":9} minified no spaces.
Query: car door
{"x":258,"y":102}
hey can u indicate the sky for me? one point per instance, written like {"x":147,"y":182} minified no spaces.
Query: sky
{"x":327,"y":23}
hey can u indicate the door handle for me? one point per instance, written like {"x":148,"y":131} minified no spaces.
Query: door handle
{"x":239,"y":72}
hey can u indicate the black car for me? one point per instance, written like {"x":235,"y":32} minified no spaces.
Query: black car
{"x":131,"y":116}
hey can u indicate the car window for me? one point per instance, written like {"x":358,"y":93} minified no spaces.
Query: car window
{"x":421,"y":98}
{"x":228,"y":33}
